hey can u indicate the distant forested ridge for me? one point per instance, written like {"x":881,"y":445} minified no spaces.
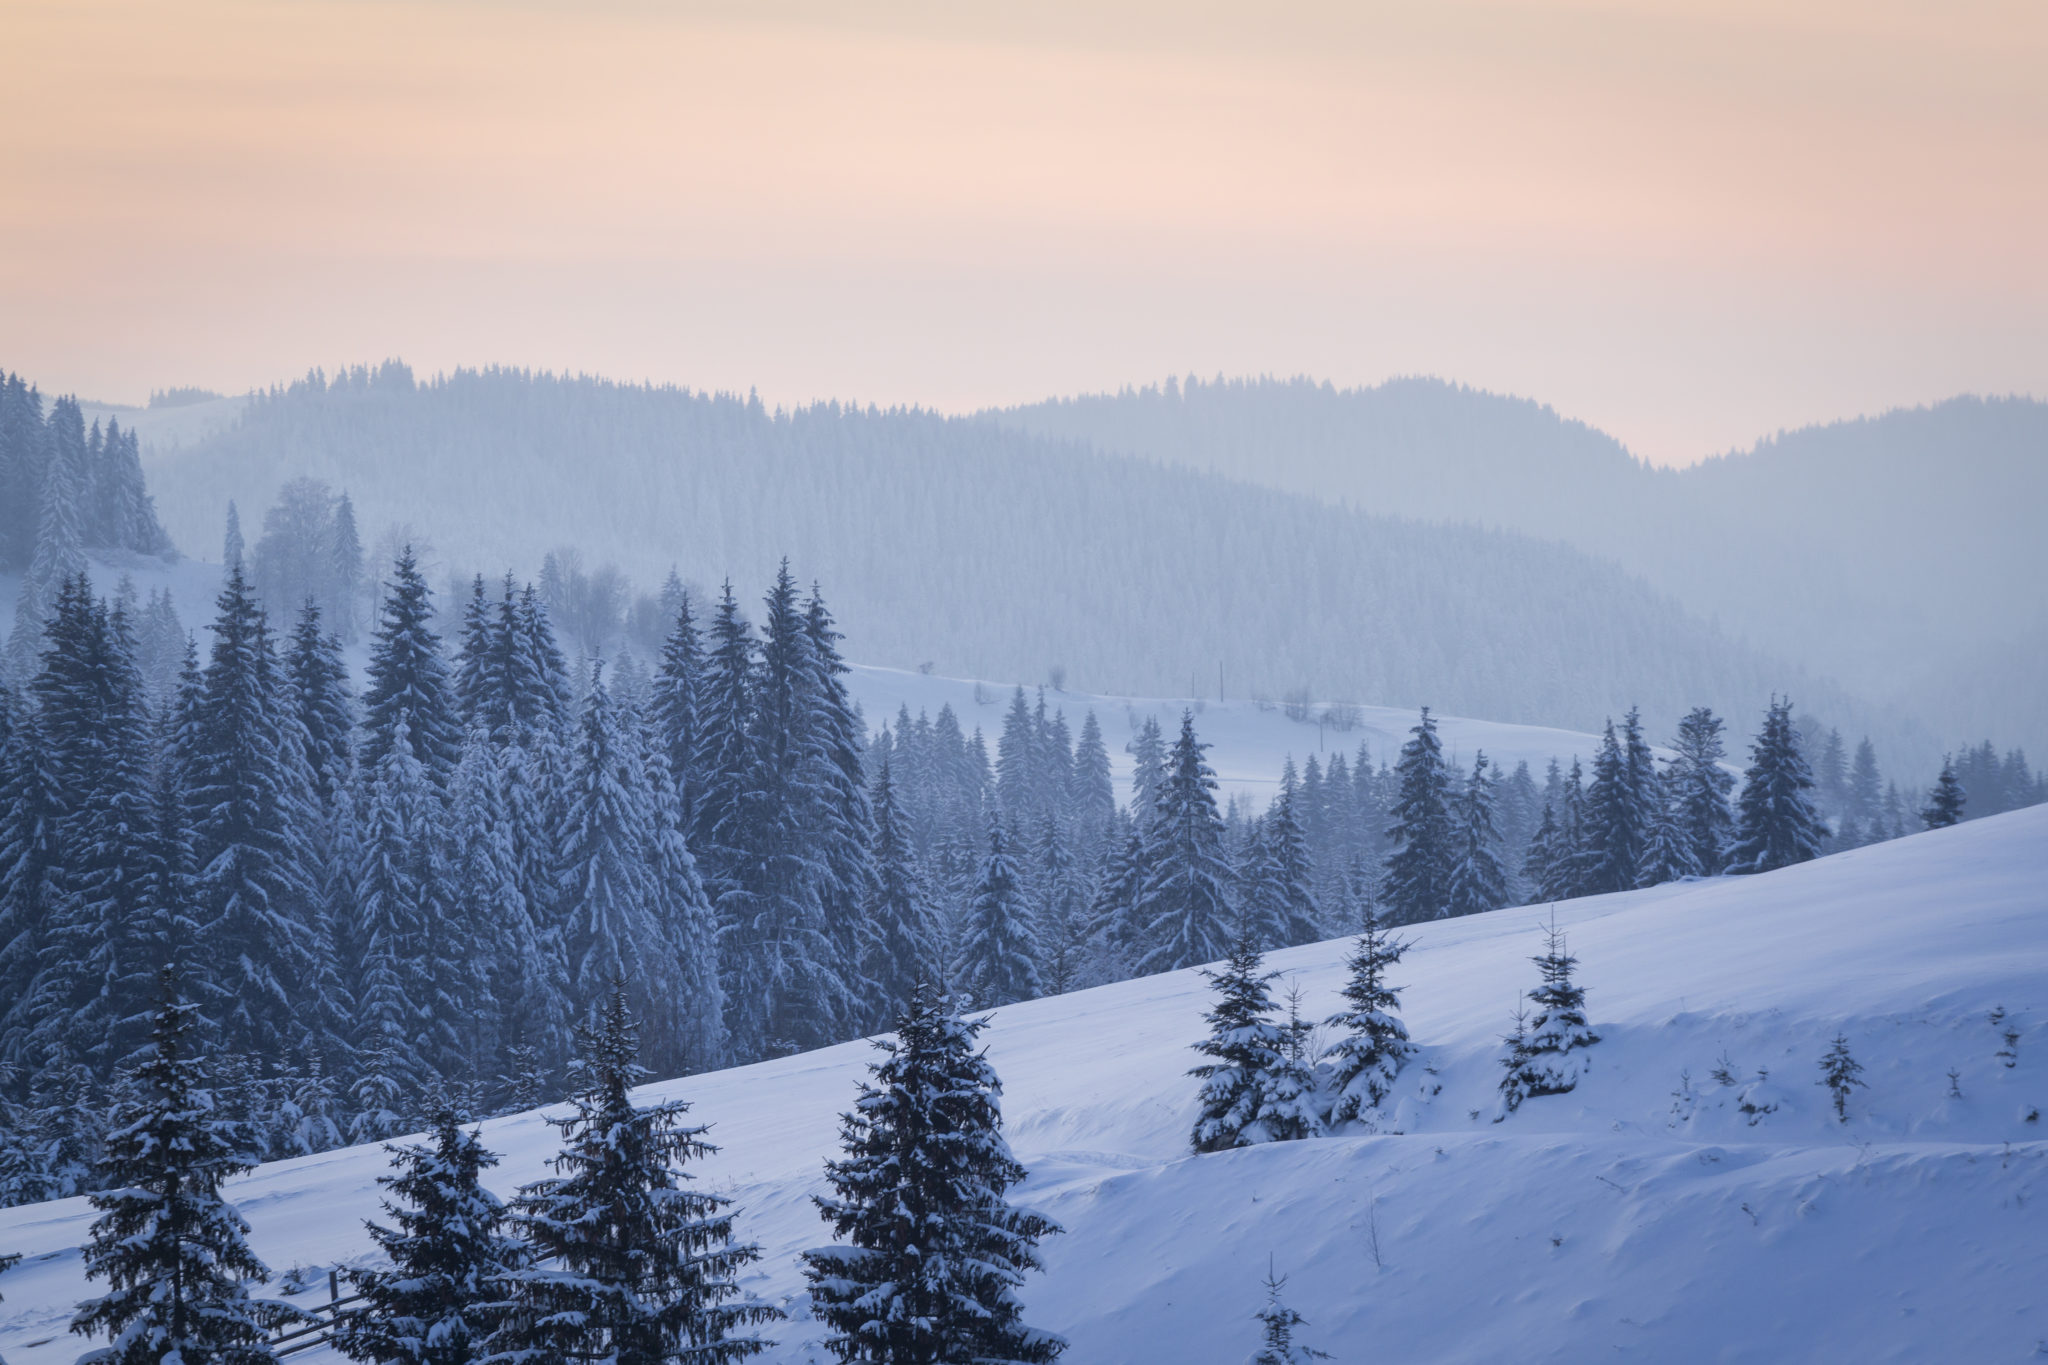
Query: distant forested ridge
{"x":1900,"y":555}
{"x":986,"y":551}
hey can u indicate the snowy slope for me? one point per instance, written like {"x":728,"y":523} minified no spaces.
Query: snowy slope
{"x":1610,"y":1223}
{"x":1248,"y":742}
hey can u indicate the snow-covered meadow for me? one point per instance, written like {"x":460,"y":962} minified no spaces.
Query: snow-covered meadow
{"x":1641,"y":1217}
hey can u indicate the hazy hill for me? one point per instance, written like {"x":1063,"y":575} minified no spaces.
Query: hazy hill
{"x":1902,"y":554}
{"x":991,"y":552}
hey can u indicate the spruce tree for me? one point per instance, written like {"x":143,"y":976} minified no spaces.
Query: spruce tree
{"x":247,"y":796}
{"x":1478,"y":881}
{"x":1840,"y":1073}
{"x":628,"y":1263}
{"x":1700,"y":788}
{"x":434,"y":1304}
{"x":998,"y":950}
{"x":1669,"y":854}
{"x":409,"y":687}
{"x":1280,"y":905}
{"x":1419,"y":867}
{"x":905,"y":948}
{"x":1279,"y":1324}
{"x":173,"y":1252}
{"x":1779,"y":825}
{"x":1543,"y":1056}
{"x":1184,"y":902}
{"x":930,"y":1252}
{"x":321,"y":700}
{"x":1246,"y":1046}
{"x":1372,"y":1043}
{"x":1945,"y":803}
{"x":675,"y":701}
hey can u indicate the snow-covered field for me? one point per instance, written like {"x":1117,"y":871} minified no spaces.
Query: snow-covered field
{"x":1641,"y":1217}
{"x":1248,"y":741}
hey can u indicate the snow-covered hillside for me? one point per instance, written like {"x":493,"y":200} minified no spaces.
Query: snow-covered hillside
{"x":1641,"y":1217}
{"x":1248,"y":741}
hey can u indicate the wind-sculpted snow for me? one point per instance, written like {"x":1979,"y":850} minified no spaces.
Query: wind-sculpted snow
{"x":1643,"y":1216}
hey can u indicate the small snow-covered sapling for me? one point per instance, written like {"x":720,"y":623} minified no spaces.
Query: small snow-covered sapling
{"x":1840,"y":1073}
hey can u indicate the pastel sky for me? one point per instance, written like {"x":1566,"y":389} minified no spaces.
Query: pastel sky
{"x":1689,"y":222}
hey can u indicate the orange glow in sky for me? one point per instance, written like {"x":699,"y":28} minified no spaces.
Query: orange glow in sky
{"x":1688,"y":222}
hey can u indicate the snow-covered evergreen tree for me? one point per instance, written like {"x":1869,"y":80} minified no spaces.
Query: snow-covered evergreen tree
{"x":1183,"y":903}
{"x":1700,"y":788}
{"x":1246,"y":1046}
{"x":998,"y":944}
{"x":436,"y":1303}
{"x":1669,"y":854}
{"x":629,"y":1263}
{"x":1372,"y":1043}
{"x":1778,"y":825}
{"x":1279,"y":1324}
{"x":409,"y":686}
{"x":1419,"y":867}
{"x":905,"y":948}
{"x":1840,"y":1073}
{"x":1946,"y":801}
{"x":174,"y":1254}
{"x":930,"y":1251}
{"x":247,"y":797}
{"x":1544,"y":1056}
{"x":1279,"y":902}
{"x":1478,"y":880}
{"x":1618,"y":813}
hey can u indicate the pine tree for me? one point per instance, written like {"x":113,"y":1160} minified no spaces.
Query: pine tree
{"x":1945,"y":803}
{"x":434,"y":1304}
{"x":345,"y":568}
{"x":1183,"y":903}
{"x":1419,"y":868}
{"x":247,"y":800}
{"x":1280,"y":1323}
{"x":1478,"y":881}
{"x":1280,"y":906}
{"x":1669,"y":854}
{"x":1543,"y":1058}
{"x":1147,"y":749}
{"x":318,"y":675}
{"x":401,"y":892}
{"x":174,"y":1253}
{"x":1779,"y":825}
{"x":628,"y":1264}
{"x":836,"y":813}
{"x":1372,"y":1045}
{"x":1700,"y":788}
{"x":675,"y":701}
{"x":1246,"y":1046}
{"x":409,"y":684}
{"x":1840,"y":1073}
{"x":905,"y":948}
{"x":930,"y":1251}
{"x":998,"y":942}
{"x":1866,"y":786}
{"x":1618,"y":815}
{"x":1093,"y":799}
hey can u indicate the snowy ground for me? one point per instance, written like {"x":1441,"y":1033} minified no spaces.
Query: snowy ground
{"x":1249,"y":742}
{"x":1620,"y":1221}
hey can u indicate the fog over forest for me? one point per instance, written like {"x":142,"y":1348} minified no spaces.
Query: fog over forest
{"x":1418,"y":543}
